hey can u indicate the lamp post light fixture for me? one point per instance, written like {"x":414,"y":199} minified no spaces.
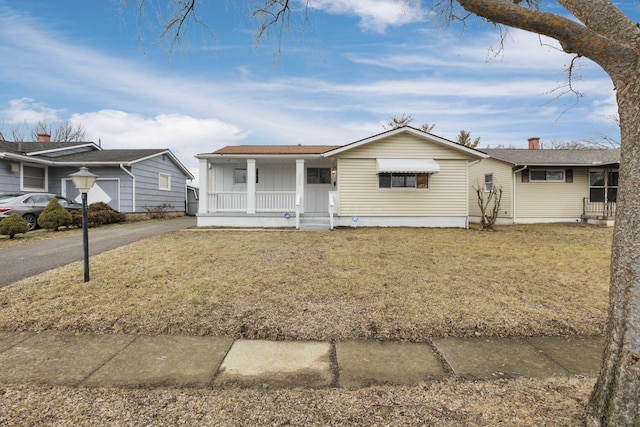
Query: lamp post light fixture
{"x":83,"y":180}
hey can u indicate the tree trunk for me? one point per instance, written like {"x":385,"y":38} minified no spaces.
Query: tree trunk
{"x":615,"y":400}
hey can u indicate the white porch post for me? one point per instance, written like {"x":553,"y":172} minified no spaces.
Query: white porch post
{"x":251,"y":186}
{"x":203,"y":203}
{"x":300,"y":183}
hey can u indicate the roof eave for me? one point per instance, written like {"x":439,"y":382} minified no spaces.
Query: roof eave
{"x":55,"y":150}
{"x":25,"y":158}
{"x":413,"y":131}
{"x":259,"y":156}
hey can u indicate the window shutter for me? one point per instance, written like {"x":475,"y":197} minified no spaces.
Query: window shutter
{"x":525,"y":175}
{"x":568,"y":175}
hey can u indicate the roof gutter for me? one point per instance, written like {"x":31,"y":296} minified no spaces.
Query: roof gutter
{"x":133,"y":187}
{"x":514,"y":190}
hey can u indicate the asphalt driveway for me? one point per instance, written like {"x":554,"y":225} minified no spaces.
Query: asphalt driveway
{"x":29,"y":260}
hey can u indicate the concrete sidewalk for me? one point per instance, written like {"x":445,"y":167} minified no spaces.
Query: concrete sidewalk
{"x":134,"y":361}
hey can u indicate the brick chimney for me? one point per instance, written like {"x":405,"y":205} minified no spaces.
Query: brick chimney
{"x":44,"y":137}
{"x":534,"y":143}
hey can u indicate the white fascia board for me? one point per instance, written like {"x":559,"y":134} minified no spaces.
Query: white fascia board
{"x":28,"y":159}
{"x":416,"y":132}
{"x":55,"y":150}
{"x":173,"y":158}
{"x":259,"y":156}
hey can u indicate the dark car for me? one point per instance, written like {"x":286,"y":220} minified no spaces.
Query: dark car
{"x":30,"y":206}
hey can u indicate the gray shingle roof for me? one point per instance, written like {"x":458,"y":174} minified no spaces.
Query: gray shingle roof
{"x":524,"y":157}
{"x":34,"y":147}
{"x":111,"y":156}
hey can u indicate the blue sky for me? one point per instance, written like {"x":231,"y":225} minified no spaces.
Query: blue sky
{"x":339,"y":78}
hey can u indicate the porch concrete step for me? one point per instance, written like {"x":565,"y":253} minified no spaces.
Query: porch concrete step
{"x":315,"y":221}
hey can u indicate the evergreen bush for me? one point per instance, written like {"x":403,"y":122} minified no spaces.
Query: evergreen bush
{"x":12,"y":225}
{"x":99,"y":213}
{"x":54,"y":216}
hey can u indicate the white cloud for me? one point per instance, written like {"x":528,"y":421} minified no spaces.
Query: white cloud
{"x":427,"y":77}
{"x":186,"y":136}
{"x":26,"y":110}
{"x":375,"y":15}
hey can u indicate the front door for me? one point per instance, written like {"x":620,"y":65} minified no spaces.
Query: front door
{"x":316,"y":190}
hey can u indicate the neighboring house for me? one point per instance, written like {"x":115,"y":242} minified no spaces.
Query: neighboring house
{"x":128,"y":180}
{"x":192,"y":200}
{"x":549,"y":185}
{"x":402,"y":177}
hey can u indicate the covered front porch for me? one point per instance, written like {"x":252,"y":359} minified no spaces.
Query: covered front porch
{"x":263,"y":190}
{"x":600,"y":206}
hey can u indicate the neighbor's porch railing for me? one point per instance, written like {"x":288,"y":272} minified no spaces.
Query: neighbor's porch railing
{"x":266,"y":201}
{"x":598,"y":209}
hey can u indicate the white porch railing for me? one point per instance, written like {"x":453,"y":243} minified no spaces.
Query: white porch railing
{"x":275,"y":201}
{"x":227,"y":201}
{"x":266,"y":201}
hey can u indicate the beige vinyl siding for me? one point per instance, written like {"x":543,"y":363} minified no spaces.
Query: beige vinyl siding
{"x":404,"y":145}
{"x":502,"y":176}
{"x":552,"y":199}
{"x":360,"y":195}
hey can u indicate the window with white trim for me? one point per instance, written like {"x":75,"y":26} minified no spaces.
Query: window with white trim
{"x":164,"y":181}
{"x":318,"y":175}
{"x":488,"y":182}
{"x":34,"y":178}
{"x":240,"y":176}
{"x":548,"y":175}
{"x":403,"y":180}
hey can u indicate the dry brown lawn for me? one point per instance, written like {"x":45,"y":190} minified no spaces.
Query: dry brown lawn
{"x":523,"y":402}
{"x":389,"y":284}
{"x":401,"y":284}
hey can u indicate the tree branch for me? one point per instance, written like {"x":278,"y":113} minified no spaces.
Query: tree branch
{"x":616,"y":58}
{"x":606,"y":19}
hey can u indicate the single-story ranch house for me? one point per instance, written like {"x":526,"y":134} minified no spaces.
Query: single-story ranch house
{"x":542,"y":185}
{"x":128,"y":180}
{"x":402,"y":177}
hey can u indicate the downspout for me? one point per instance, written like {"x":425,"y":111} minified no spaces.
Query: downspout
{"x":133,"y":186}
{"x":514,"y":191}
{"x":469,"y":164}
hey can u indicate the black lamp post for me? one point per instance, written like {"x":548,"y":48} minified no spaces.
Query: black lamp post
{"x":83,"y":181}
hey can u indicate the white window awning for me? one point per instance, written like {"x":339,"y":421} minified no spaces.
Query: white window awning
{"x":407,"y":166}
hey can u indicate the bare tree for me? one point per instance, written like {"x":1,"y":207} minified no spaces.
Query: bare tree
{"x":582,"y":144}
{"x":60,"y":131}
{"x":489,"y":199}
{"x":397,"y":122}
{"x":427,"y":127}
{"x":405,"y":120}
{"x":600,"y":31}
{"x":464,"y":138}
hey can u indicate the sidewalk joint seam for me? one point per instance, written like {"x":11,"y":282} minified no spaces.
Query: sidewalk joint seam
{"x":443,"y":361}
{"x":84,"y":380}
{"x":211,"y":383}
{"x":31,"y":335}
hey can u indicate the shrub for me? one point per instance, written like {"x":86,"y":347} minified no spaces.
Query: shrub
{"x":159,"y":211}
{"x":99,"y":213}
{"x":54,"y":216}
{"x":12,"y":225}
